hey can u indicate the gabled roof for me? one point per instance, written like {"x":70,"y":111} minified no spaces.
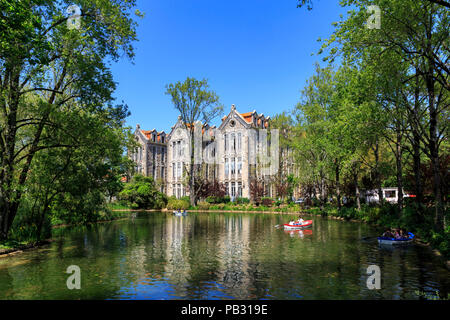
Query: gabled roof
{"x":147,"y":134}
{"x":247,"y":118}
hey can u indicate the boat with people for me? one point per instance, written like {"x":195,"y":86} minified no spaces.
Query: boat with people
{"x":294,"y":225}
{"x":396,"y":240}
{"x":180,"y":213}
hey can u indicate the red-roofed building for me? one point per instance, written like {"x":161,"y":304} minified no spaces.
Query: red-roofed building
{"x":151,"y":155}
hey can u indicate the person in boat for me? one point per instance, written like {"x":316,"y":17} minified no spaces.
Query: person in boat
{"x":404,"y":234}
{"x":291,"y":222}
{"x":300,"y":220}
{"x":388,"y":234}
{"x":397,"y":234}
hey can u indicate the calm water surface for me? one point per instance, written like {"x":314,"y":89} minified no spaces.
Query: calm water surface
{"x":220,"y":256}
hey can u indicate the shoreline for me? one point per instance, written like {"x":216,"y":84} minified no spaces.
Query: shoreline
{"x":26,"y":247}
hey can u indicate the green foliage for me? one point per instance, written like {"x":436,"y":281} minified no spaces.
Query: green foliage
{"x":141,"y":193}
{"x":266,"y":201}
{"x":242,"y":201}
{"x":185,"y":198}
{"x":216,"y":200}
{"x":63,"y":130}
{"x":178,"y":204}
{"x":203,"y":205}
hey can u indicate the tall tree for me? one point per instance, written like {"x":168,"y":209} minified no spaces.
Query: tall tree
{"x":195,"y":103}
{"x":43,"y":56}
{"x":415,"y":33}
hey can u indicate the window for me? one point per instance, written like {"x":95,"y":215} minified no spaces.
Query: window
{"x":226,"y":142}
{"x":233,"y":166}
{"x":174,"y":168}
{"x":233,"y":142}
{"x":174,"y":150}
{"x":162,"y":172}
{"x":163,"y":153}
{"x":240,"y":189}
{"x":239,"y":166}
{"x":239,"y":141}
{"x":174,"y":190}
{"x":179,"y":170}
{"x":226,"y":168}
{"x":233,"y":190}
{"x":226,"y":189}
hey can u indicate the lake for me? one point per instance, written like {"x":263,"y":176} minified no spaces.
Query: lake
{"x":220,"y":256}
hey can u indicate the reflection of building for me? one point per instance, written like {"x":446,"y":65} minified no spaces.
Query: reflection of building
{"x":234,"y":245}
{"x":178,"y":267}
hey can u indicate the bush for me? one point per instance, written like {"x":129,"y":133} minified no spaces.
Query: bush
{"x":175,"y":204}
{"x":218,"y":206}
{"x":242,"y":201}
{"x":203,"y":205}
{"x":141,"y":193}
{"x":216,"y":200}
{"x":186,"y":198}
{"x":266,"y":202}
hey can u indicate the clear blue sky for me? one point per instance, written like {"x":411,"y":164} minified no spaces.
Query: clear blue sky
{"x":256,"y":54}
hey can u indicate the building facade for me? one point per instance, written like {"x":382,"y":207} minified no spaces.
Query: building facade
{"x":229,"y":153}
{"x":151,"y":155}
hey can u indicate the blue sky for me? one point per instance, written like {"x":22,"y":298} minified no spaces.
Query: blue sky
{"x":256,"y":54}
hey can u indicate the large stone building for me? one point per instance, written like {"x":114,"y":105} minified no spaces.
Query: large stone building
{"x":230,"y":155}
{"x":151,"y":155}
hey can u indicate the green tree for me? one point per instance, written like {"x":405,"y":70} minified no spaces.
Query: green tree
{"x":141,"y":193}
{"x":195,"y":103}
{"x":414,"y":34}
{"x":45,"y":67}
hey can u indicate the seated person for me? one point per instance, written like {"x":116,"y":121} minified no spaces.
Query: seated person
{"x":300,"y":220}
{"x":388,"y":234}
{"x":404,"y":234}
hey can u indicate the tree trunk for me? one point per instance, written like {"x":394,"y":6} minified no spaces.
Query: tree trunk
{"x":398,"y":158}
{"x":434,"y":145}
{"x":322,"y":191}
{"x":416,"y":150}
{"x":376,"y":154}
{"x":355,"y":177}
{"x":338,"y":184}
{"x":434,"y":152}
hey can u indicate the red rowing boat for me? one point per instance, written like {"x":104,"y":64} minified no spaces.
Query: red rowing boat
{"x":305,"y":224}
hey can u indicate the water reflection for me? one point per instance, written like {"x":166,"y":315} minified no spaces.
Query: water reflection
{"x":219,"y":256}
